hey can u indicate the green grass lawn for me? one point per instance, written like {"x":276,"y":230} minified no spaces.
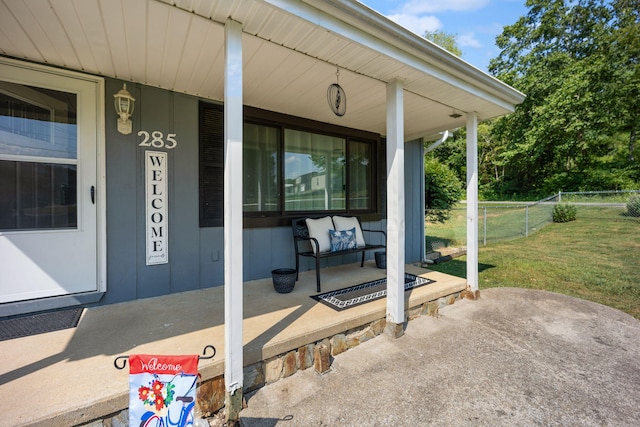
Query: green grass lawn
{"x":596,"y":257}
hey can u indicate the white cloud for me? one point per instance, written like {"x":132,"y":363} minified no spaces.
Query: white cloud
{"x":469,"y":40}
{"x":419,"y":7}
{"x":418,"y":15}
{"x":417,"y":24}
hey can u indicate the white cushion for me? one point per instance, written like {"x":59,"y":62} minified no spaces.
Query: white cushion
{"x":347,"y":223}
{"x":319,"y":230}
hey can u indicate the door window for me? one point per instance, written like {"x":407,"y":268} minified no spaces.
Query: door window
{"x":38,"y":158}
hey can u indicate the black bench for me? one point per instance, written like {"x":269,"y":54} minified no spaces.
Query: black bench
{"x":301,"y":234}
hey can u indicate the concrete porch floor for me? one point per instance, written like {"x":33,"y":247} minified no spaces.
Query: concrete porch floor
{"x":67,"y":377}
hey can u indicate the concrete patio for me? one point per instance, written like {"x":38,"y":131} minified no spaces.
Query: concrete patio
{"x":68,"y":377}
{"x":515,"y":357}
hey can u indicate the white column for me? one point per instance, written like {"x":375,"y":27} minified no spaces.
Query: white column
{"x":472,"y":201}
{"x":395,"y":207}
{"x":233,"y":208}
{"x":423,"y":204}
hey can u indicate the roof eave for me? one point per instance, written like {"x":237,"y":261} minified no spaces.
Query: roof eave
{"x":409,"y":42}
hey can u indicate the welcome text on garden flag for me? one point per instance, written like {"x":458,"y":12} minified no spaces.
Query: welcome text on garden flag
{"x":162,"y":389}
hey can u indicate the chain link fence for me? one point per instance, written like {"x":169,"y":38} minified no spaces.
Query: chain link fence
{"x":500,"y":221}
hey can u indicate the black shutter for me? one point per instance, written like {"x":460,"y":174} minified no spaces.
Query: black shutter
{"x":211,"y":165}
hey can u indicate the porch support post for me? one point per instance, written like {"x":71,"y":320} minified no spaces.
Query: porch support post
{"x":472,"y":203}
{"x":233,"y":313}
{"x":395,"y":209}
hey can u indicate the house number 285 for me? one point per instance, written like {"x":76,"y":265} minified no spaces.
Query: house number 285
{"x":157,"y":139}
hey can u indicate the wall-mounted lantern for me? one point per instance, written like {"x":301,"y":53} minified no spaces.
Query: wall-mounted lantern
{"x":124,"y":103}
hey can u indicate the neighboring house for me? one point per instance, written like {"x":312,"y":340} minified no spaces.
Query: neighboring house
{"x":230,"y":103}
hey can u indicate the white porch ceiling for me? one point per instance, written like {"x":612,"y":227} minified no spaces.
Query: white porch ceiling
{"x":290,"y":52}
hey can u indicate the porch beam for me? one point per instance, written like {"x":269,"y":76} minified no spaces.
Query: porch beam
{"x":233,"y":265}
{"x":472,"y":201}
{"x":395,"y":209}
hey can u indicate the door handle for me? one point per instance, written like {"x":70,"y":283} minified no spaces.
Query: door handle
{"x":93,"y":194}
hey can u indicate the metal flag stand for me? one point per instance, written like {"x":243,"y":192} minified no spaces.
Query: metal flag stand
{"x":120,"y":362}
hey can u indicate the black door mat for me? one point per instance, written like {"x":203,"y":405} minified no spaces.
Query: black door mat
{"x":353,"y":296}
{"x":40,"y":323}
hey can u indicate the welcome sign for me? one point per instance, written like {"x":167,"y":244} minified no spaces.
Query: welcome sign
{"x":162,"y":389}
{"x":156,"y":207}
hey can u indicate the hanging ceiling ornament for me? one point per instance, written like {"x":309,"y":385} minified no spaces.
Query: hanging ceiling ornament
{"x":336,"y":97}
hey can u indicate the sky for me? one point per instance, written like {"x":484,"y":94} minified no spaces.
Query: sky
{"x":476,"y":23}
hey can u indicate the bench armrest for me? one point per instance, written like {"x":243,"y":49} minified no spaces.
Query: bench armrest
{"x":312,"y":241}
{"x":384,"y":234}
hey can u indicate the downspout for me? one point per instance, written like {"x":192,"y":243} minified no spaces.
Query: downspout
{"x":436,"y":144}
{"x":432,"y":147}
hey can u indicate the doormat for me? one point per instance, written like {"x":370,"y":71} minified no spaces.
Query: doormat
{"x":352,"y":296}
{"x":40,"y":323}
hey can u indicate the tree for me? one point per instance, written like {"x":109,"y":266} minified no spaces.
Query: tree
{"x":444,"y":40}
{"x":443,"y":188}
{"x":626,"y":44}
{"x":577,"y":62}
{"x":491,"y":166}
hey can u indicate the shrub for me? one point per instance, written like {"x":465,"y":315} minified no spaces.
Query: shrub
{"x":443,"y":189}
{"x":633,"y":205}
{"x":564,"y":212}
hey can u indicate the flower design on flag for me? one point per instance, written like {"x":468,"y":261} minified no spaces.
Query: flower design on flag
{"x":159,"y":402}
{"x":157,"y":386}
{"x":157,"y":395}
{"x":143,"y":393}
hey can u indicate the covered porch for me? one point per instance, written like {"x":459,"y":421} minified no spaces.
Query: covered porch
{"x":274,"y":55}
{"x":82,"y":385}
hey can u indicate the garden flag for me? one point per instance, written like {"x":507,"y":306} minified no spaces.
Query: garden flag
{"x":162,"y":390}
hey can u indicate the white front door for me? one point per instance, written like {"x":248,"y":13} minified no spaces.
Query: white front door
{"x":50,"y":140}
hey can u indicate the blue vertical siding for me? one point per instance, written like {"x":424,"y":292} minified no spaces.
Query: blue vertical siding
{"x":196,"y":255}
{"x":414,"y":201}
